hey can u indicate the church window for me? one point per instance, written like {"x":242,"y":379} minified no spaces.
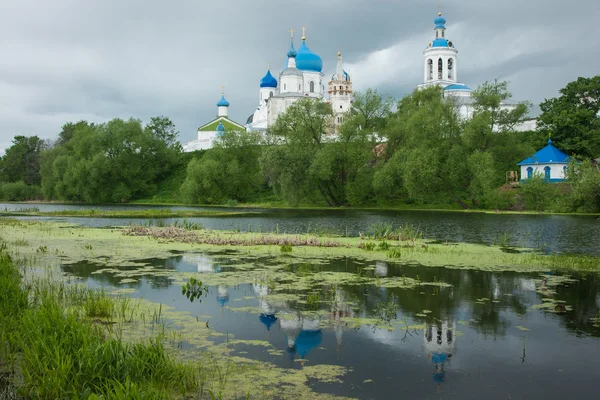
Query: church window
{"x":340,"y":106}
{"x":312,"y":87}
{"x":430,"y":72}
{"x":547,"y":173}
{"x":443,"y":34}
{"x":299,"y":88}
{"x":565,"y":171}
{"x":440,"y":68}
{"x":284,"y":86}
{"x":529,"y":172}
{"x":437,"y":34}
{"x":450,"y":69}
{"x":270,"y":94}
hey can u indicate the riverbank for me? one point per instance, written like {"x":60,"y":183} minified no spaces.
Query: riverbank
{"x":282,"y":206}
{"x":140,"y":214}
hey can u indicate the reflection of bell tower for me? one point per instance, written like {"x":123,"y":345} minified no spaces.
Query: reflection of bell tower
{"x":440,"y":345}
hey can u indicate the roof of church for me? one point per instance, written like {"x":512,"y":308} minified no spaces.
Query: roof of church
{"x":547,"y":155}
{"x":223,"y":102}
{"x":268,"y":81}
{"x":457,"y":86}
{"x":441,"y":42}
{"x":440,"y":22}
{"x":346,"y":76}
{"x":306,"y":60}
{"x":227,"y":124}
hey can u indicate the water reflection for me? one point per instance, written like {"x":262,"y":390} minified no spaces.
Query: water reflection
{"x":400,"y":338}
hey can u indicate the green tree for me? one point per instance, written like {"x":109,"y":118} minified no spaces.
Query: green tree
{"x":490,"y":99}
{"x":21,"y":162}
{"x":228,"y":171}
{"x":572,"y":118}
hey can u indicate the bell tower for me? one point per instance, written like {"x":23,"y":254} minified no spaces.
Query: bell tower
{"x":440,"y":58}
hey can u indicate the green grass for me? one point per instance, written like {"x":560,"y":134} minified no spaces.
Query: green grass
{"x":143,"y":214}
{"x":47,"y":340}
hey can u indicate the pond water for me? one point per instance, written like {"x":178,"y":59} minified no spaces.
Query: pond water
{"x":556,"y":233}
{"x":454,"y":334}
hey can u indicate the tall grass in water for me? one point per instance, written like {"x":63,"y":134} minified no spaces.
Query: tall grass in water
{"x":59,"y":354}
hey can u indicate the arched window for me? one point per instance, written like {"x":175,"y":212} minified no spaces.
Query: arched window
{"x":529,"y":172}
{"x":547,"y":173}
{"x":312,"y":87}
{"x":450,"y":69}
{"x":270,"y":94}
{"x":299,"y":87}
{"x":440,"y":68}
{"x":284,"y":86}
{"x":430,"y":72}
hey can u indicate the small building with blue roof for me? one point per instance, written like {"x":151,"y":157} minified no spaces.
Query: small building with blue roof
{"x":549,"y":162}
{"x":214,"y":129}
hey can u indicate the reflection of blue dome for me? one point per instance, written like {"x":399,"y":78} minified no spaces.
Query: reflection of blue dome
{"x":439,"y":377}
{"x":439,"y":358}
{"x":440,"y":22}
{"x":307,"y":340}
{"x":222,"y":300}
{"x":306,"y":60}
{"x":267,"y":320}
{"x":223,"y":102}
{"x":268,"y":81}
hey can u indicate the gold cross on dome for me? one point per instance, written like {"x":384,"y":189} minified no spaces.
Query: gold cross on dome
{"x":303,"y":33}
{"x":291,"y":31}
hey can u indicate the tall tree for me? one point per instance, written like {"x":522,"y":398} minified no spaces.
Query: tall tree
{"x":572,"y":118}
{"x":21,"y":161}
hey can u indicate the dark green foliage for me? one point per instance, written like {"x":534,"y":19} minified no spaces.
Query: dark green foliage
{"x":572,"y":118}
{"x":19,"y":191}
{"x":21,"y":163}
{"x":193,"y":289}
{"x":109,"y":163}
{"x":228,"y":172}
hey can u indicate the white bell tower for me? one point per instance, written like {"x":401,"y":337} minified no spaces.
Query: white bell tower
{"x":440,"y":58}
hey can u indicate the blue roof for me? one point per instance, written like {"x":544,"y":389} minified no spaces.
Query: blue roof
{"x":547,"y":155}
{"x":346,"y":76}
{"x":440,"y":22}
{"x":223,"y":102}
{"x":457,"y":86}
{"x":441,"y":42}
{"x":292,"y":52}
{"x":306,"y":60}
{"x":268,"y":81}
{"x":307,"y":340}
{"x":267,"y":320}
{"x":220,"y":128}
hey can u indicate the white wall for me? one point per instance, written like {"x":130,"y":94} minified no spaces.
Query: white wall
{"x":204,"y":141}
{"x":556,"y":170}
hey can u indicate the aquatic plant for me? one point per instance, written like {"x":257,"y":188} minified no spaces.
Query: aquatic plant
{"x":286,"y":248}
{"x":382,"y":230}
{"x":383,"y":245}
{"x":369,"y":246}
{"x":193,"y":289}
{"x":394,"y":253}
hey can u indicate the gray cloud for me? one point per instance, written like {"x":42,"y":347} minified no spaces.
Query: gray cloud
{"x":66,"y":60}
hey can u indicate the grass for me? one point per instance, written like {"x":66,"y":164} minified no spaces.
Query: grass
{"x":145,"y":214}
{"x":57,"y":353}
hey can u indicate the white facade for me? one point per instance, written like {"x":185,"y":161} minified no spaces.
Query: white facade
{"x":205,"y":141}
{"x":302,"y":78}
{"x":553,"y":172}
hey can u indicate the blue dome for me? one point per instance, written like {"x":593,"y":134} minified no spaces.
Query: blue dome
{"x":220,"y":128}
{"x":457,"y":86}
{"x":440,"y":22}
{"x":441,"y":42}
{"x":346,"y":77}
{"x":306,"y":60}
{"x":267,"y":320}
{"x":292,"y":52}
{"x":268,"y":81}
{"x":223,"y":102}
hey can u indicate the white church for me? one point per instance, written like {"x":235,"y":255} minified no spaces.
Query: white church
{"x":303,"y":77}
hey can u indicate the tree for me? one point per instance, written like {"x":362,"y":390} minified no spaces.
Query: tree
{"x":164,"y":129}
{"x":572,"y":118}
{"x":490,"y":99}
{"x":21,"y":161}
{"x":228,"y":171}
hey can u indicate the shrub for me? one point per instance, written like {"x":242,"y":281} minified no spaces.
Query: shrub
{"x":19,"y":191}
{"x":369,"y":246}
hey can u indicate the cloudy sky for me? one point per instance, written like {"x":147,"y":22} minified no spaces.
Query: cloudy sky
{"x":68,"y":60}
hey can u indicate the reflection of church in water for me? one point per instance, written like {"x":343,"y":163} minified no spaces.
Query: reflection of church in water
{"x":439,"y":341}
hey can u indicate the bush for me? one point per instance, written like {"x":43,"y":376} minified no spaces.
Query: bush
{"x":19,"y":191}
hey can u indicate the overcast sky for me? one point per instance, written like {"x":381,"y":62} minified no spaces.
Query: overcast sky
{"x":68,"y":60}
